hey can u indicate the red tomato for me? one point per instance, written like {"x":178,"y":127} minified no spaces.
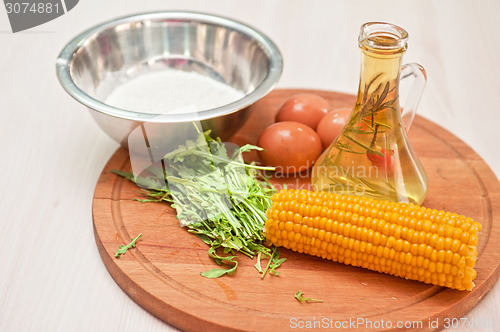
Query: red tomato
{"x":291,"y":147}
{"x":332,"y":124}
{"x":383,"y":162}
{"x":304,"y":108}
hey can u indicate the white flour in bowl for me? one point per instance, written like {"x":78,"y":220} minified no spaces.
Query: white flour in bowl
{"x":172,"y":91}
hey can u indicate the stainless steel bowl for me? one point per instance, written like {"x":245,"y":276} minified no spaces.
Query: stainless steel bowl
{"x":98,"y":60}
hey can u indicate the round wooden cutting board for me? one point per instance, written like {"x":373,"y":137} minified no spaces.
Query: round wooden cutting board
{"x":162,"y":274}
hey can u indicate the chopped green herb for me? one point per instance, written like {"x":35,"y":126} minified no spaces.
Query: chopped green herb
{"x":217,"y":196}
{"x":215,"y":273}
{"x":302,"y":299}
{"x":123,"y":249}
{"x":257,"y":265}
{"x":274,"y":262}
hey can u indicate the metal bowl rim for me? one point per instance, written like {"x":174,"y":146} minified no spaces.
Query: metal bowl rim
{"x":275,"y":67}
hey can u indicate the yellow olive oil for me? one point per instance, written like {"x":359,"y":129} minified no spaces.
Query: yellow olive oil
{"x":372,"y":156}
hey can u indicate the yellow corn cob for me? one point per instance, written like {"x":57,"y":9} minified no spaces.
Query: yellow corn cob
{"x":399,"y":239}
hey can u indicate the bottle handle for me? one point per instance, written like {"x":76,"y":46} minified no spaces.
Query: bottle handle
{"x":411,"y":104}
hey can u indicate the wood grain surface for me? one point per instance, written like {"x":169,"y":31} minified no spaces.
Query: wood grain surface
{"x":162,"y":274}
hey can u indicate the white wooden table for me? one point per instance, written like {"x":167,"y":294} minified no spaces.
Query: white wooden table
{"x":51,"y":151}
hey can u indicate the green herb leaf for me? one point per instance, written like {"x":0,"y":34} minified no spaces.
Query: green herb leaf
{"x":257,"y":265}
{"x":249,"y":147}
{"x":126,"y":175}
{"x":217,"y":258}
{"x":274,"y":262}
{"x":220,"y":198}
{"x":302,"y":299}
{"x":123,"y":249}
{"x":216,"y":273}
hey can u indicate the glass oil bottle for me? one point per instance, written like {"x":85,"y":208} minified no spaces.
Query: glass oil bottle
{"x":372,"y":156}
